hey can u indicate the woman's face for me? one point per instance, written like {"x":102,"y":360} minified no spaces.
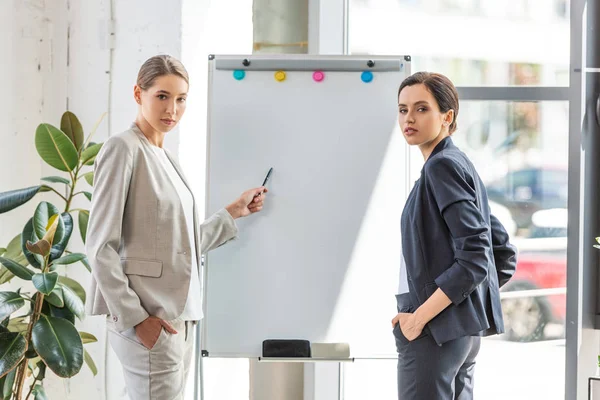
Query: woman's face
{"x":419,"y":116}
{"x":162,"y":105}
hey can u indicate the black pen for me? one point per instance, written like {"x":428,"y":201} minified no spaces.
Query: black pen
{"x":267,"y":177}
{"x":266,"y":180}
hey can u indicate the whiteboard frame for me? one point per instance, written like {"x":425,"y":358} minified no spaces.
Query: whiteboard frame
{"x":274,"y":62}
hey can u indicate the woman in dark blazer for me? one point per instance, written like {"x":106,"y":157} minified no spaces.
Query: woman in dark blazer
{"x":456,"y":255}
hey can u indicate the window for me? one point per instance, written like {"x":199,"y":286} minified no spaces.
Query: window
{"x":518,"y":147}
{"x":483,"y":43}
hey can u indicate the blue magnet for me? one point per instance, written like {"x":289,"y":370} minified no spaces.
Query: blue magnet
{"x":239,"y":74}
{"x":366,"y":76}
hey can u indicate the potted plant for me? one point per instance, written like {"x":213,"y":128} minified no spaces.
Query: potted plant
{"x":37,"y":328}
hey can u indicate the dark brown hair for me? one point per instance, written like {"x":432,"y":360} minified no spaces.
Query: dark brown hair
{"x":158,"y":66}
{"x":441,"y":88}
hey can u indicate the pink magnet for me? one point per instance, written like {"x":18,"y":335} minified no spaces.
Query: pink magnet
{"x":318,"y":76}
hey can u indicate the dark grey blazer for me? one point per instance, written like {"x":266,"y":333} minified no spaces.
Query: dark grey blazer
{"x":451,"y":241}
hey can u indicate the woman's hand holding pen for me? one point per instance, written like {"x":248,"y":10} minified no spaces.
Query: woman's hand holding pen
{"x":409,"y":325}
{"x":250,"y":202}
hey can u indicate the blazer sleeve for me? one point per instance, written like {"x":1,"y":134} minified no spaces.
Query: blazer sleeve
{"x":217,"y":230}
{"x":505,"y":254}
{"x":112,"y":176}
{"x":456,"y":200}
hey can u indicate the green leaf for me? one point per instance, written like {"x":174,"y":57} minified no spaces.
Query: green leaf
{"x":90,"y":362}
{"x":15,"y":198}
{"x":56,"y":179}
{"x":59,"y":247}
{"x":58,"y":343}
{"x":56,"y":297}
{"x":41,"y":370}
{"x":18,"y":325}
{"x":86,"y":264}
{"x":39,"y":393}
{"x":29,"y":234}
{"x":90,"y":153}
{"x":41,"y":217}
{"x":9,"y":303}
{"x":87,"y":337}
{"x":12,"y":349}
{"x":8,"y":384}
{"x":89,"y":178}
{"x":88,"y":195}
{"x":73,"y":302}
{"x":2,"y":251}
{"x":13,"y":250}
{"x":74,"y":286}
{"x":58,"y":312}
{"x":71,"y":126}
{"x":30,"y":354}
{"x":5,"y":275}
{"x":84,"y":217}
{"x":70,"y":259}
{"x":17,"y":269}
{"x":45,"y":282}
{"x":55,"y":148}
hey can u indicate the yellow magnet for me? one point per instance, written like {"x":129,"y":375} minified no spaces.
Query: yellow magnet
{"x":280,"y":76}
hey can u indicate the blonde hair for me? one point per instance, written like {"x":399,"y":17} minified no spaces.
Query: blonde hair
{"x":158,"y":66}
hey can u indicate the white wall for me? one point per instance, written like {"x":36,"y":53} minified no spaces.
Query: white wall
{"x":21,"y":32}
{"x":56,"y":56}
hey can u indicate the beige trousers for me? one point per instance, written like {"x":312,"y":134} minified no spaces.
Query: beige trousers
{"x":156,"y":374}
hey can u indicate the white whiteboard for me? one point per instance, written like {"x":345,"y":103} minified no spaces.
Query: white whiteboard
{"x":321,"y":261}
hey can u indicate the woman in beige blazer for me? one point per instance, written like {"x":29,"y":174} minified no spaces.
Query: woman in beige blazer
{"x":144,"y":241}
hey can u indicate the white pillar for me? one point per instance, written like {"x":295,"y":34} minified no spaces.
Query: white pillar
{"x":280,"y":26}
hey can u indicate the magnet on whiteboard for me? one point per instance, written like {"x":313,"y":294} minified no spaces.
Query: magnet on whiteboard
{"x":239,"y":74}
{"x":280,"y":76}
{"x":366,"y":76}
{"x":318,"y":76}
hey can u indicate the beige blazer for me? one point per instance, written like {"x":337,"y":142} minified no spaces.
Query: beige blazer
{"x":137,"y":241}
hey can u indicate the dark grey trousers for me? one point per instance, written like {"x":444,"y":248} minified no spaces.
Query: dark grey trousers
{"x":427,"y":371}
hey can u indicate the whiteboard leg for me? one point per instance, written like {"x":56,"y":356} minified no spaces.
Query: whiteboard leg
{"x":341,"y":381}
{"x":198,"y":371}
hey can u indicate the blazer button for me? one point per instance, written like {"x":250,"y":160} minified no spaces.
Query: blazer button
{"x":115,"y":318}
{"x":465,"y":295}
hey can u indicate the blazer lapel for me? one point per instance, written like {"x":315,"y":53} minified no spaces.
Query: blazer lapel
{"x":179,"y":172}
{"x":197,"y":238}
{"x":146,"y":143}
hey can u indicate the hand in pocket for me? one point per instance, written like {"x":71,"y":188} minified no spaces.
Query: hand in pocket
{"x":149,"y":330}
{"x":409,"y":326}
